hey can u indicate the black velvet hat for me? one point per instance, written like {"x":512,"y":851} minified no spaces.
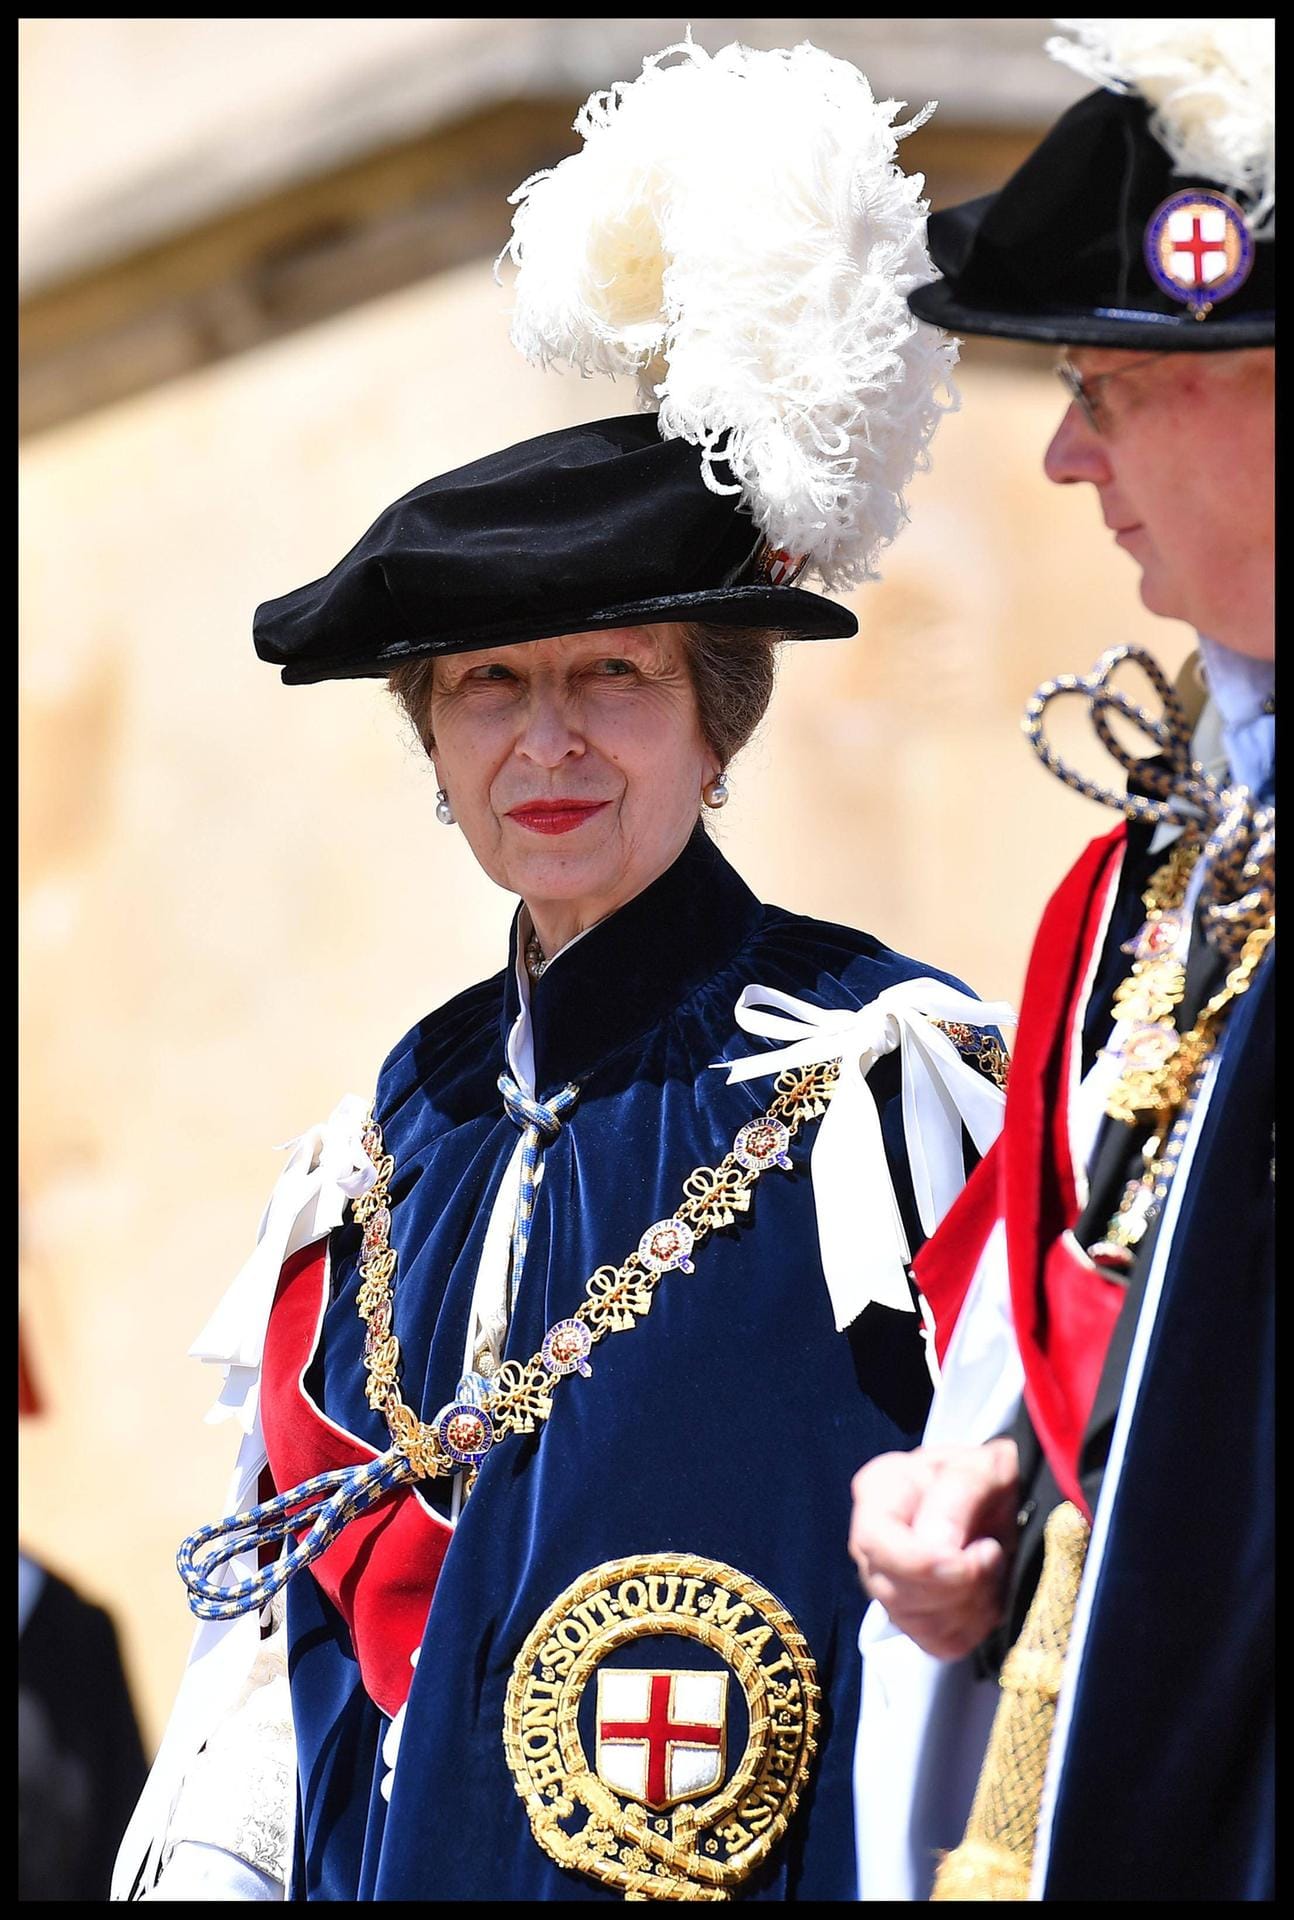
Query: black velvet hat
{"x":594,"y":526}
{"x":1077,"y":247}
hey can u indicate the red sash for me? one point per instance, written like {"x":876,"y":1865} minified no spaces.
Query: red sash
{"x":946,"y":1264}
{"x":1064,"y":1308}
{"x":381,"y":1572}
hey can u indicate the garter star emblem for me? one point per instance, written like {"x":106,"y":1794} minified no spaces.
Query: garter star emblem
{"x":660,"y":1726}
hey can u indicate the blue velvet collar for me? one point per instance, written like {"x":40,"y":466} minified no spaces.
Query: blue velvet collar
{"x":615,"y":984}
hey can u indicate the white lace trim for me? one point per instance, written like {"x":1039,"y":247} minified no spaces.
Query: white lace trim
{"x":240,"y":1793}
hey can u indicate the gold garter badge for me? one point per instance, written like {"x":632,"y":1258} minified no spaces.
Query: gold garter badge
{"x":695,"y":1693}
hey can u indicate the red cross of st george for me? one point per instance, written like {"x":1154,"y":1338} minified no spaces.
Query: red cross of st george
{"x":1197,"y":246}
{"x":660,"y":1732}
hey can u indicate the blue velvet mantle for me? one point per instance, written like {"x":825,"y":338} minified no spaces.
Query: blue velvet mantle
{"x":1168,"y":1787}
{"x":725,"y":1424}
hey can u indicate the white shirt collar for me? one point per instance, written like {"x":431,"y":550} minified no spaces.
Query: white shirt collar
{"x":1241,"y":689}
{"x":1239,"y":684}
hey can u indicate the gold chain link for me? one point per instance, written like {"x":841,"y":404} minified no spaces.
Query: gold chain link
{"x":614,"y":1297}
{"x":1144,"y":1003}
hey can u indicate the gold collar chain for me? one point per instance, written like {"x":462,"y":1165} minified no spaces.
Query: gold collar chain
{"x":615,"y":1297}
{"x":1171,"y":1095}
{"x":1145,"y":1033}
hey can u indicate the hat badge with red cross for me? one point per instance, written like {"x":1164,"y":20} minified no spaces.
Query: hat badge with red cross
{"x":1199,"y":248}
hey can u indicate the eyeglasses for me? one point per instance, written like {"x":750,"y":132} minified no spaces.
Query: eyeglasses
{"x":1083,"y":387}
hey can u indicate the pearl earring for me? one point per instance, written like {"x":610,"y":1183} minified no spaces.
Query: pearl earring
{"x":717,"y":794}
{"x":444,"y":812}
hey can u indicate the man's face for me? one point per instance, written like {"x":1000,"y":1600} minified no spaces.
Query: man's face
{"x":1183,"y":461}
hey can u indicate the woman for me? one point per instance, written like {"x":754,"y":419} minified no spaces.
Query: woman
{"x":572,"y":1615}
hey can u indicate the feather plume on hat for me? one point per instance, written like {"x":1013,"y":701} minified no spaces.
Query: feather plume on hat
{"x":1211,"y":87}
{"x":735,"y":234}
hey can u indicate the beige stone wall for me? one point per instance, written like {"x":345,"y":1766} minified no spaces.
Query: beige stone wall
{"x":132,"y":130}
{"x":236,"y":896}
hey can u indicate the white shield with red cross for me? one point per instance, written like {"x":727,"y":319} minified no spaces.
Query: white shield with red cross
{"x":661,"y":1734}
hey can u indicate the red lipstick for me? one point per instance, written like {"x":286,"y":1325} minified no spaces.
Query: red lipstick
{"x":555,"y":816}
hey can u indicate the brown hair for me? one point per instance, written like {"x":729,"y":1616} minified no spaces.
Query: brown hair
{"x":732,"y":671}
{"x":410,"y":682}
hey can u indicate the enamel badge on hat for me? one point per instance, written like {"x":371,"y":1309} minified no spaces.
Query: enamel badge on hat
{"x":1211,"y":89}
{"x":1199,"y":249}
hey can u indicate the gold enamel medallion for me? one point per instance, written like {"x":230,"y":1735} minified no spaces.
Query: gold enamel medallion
{"x":660,"y":1725}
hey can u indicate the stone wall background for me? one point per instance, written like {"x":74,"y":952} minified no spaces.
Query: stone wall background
{"x":235,"y":896}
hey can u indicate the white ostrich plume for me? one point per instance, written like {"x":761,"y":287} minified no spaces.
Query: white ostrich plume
{"x":1211,"y":87}
{"x":736,"y":235}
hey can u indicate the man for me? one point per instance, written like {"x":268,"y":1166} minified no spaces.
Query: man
{"x":1109,"y":1271}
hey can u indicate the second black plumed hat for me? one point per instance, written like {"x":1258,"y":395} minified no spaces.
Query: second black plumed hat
{"x":1060,"y":253}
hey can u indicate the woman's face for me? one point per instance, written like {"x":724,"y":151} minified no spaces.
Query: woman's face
{"x":574,"y":766}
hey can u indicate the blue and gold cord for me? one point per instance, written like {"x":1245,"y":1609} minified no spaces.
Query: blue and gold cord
{"x":320,"y":1508}
{"x":540,"y":1122}
{"x":1238,"y":862}
{"x":1187,"y":793}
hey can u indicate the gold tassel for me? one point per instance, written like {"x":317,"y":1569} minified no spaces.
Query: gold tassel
{"x":995,"y":1858}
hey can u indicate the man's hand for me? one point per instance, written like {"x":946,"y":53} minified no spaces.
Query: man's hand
{"x":933,"y":1532}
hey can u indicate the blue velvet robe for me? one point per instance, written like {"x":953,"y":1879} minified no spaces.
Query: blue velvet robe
{"x":727,"y":1423}
{"x":1168,"y":1786}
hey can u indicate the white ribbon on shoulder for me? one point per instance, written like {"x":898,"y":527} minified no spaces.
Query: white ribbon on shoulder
{"x":328,"y":1167}
{"x":865,"y":1251}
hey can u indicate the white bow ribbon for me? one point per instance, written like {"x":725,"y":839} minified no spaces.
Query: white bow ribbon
{"x":865,"y":1251}
{"x":328,"y":1167}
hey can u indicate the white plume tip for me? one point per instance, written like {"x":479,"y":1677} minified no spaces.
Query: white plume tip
{"x":1211,"y":88}
{"x":736,"y":235}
